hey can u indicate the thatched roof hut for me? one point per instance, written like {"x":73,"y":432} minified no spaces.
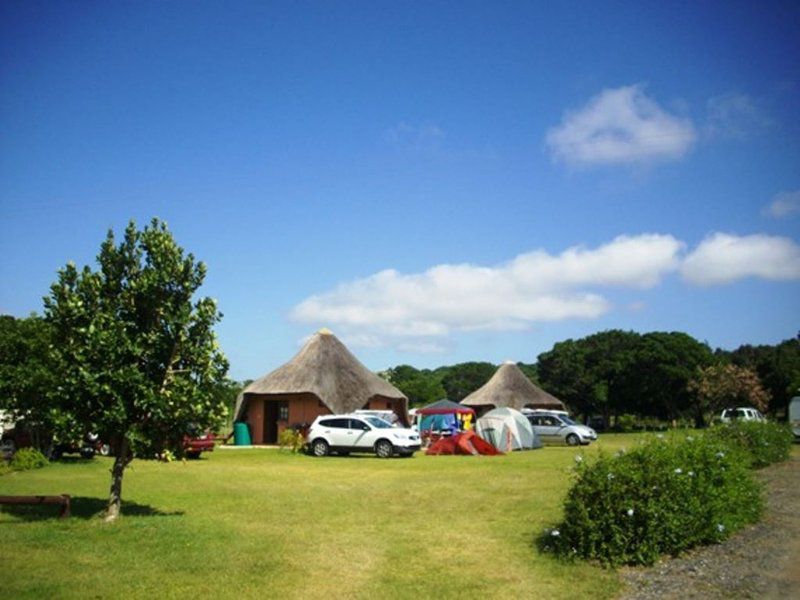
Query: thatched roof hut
{"x":324,"y":377}
{"x":509,"y":387}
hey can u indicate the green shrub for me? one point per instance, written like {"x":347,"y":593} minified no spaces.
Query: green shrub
{"x":764,"y":442}
{"x":625,"y":423}
{"x":292,"y":439}
{"x":28,"y":458}
{"x":661,"y":498}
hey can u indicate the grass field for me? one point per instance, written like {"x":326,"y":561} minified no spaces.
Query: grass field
{"x":267,"y":523}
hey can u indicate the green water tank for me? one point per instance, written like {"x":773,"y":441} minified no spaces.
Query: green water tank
{"x":241,"y":434}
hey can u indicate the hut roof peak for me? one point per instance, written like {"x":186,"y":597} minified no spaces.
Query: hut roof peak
{"x":509,"y":387}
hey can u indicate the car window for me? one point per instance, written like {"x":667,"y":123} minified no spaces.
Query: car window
{"x":379,"y":423}
{"x":534,"y":420}
{"x":335,"y":423}
{"x":359,"y":425}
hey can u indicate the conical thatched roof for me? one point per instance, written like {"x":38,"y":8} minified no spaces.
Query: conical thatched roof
{"x":326,"y":368}
{"x":510,"y":387}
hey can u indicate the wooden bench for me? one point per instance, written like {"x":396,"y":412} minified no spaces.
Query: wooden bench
{"x":62,"y":500}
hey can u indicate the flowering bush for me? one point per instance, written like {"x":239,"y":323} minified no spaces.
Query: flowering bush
{"x":663,"y":497}
{"x":765,"y":443}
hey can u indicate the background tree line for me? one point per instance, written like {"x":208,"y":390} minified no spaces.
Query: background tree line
{"x":663,"y":375}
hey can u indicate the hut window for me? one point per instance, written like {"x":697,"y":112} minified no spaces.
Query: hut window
{"x":283,"y":411}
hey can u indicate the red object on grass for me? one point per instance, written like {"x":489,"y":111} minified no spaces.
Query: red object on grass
{"x":467,"y":443}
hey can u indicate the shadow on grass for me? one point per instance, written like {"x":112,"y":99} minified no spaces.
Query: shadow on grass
{"x":82,"y":507}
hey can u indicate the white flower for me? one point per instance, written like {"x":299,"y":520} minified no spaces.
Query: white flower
{"x":578,"y":458}
{"x":720,"y":527}
{"x":610,"y":476}
{"x":691,"y":473}
{"x":555,"y":533}
{"x":720,"y":455}
{"x":660,"y":436}
{"x":679,"y":470}
{"x":630,"y":512}
{"x":689,"y":438}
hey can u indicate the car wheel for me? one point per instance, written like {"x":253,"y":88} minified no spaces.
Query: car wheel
{"x":319,"y":448}
{"x":573,"y":440}
{"x":383,"y":449}
{"x":87,"y":452}
{"x":105,"y":450}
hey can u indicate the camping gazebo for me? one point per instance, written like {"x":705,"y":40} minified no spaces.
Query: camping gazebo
{"x":323,"y":378}
{"x":509,"y":387}
{"x":442,"y":414}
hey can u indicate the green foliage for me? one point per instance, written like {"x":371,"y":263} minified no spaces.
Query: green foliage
{"x":292,"y":439}
{"x":138,"y":361}
{"x":778,"y":368}
{"x":764,"y":443}
{"x":663,"y":497}
{"x":614,"y":372}
{"x":28,"y":381}
{"x":462,"y":379}
{"x":420,"y":386}
{"x":28,"y":458}
{"x":722,"y":385}
{"x":137,"y":357}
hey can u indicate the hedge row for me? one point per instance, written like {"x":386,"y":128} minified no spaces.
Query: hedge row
{"x":667,"y":495}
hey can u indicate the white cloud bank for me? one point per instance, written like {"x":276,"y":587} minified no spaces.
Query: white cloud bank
{"x":533,"y":287}
{"x":418,"y":312}
{"x":784,"y":204}
{"x":724,"y":258}
{"x":620,"y":126}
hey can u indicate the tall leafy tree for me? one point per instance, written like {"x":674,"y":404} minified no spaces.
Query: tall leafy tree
{"x":725,"y":386}
{"x":462,"y":379}
{"x":421,"y":386}
{"x":659,"y":376}
{"x":27,"y":379}
{"x":777,"y":366}
{"x":138,"y":358}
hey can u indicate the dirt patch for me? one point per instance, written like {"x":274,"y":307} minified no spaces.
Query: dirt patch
{"x":760,"y":561}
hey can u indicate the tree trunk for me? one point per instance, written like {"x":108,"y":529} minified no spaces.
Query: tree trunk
{"x":123,"y":458}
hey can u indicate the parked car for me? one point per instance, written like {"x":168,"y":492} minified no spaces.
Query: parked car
{"x":741,"y":414}
{"x":194,"y":443}
{"x":794,"y":417}
{"x":387,"y":415}
{"x":87,"y":447}
{"x":554,"y":428}
{"x":344,"y":434}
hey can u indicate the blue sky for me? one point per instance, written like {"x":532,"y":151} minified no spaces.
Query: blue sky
{"x":434,"y":181}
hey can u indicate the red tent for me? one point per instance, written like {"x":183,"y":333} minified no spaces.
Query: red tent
{"x":468,"y":443}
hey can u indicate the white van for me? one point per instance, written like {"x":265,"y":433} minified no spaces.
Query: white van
{"x":741,"y":414}
{"x":794,"y":416}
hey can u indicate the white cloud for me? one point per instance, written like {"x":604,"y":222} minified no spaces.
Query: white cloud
{"x":723,"y":258}
{"x":733,"y":115}
{"x":784,"y":205}
{"x":534,"y":287}
{"x":620,"y":126}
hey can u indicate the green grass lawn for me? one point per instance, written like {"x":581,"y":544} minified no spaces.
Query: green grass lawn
{"x":256,"y":523}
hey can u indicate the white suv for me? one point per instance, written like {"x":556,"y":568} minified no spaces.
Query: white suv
{"x":741,"y":414}
{"x":344,"y":434}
